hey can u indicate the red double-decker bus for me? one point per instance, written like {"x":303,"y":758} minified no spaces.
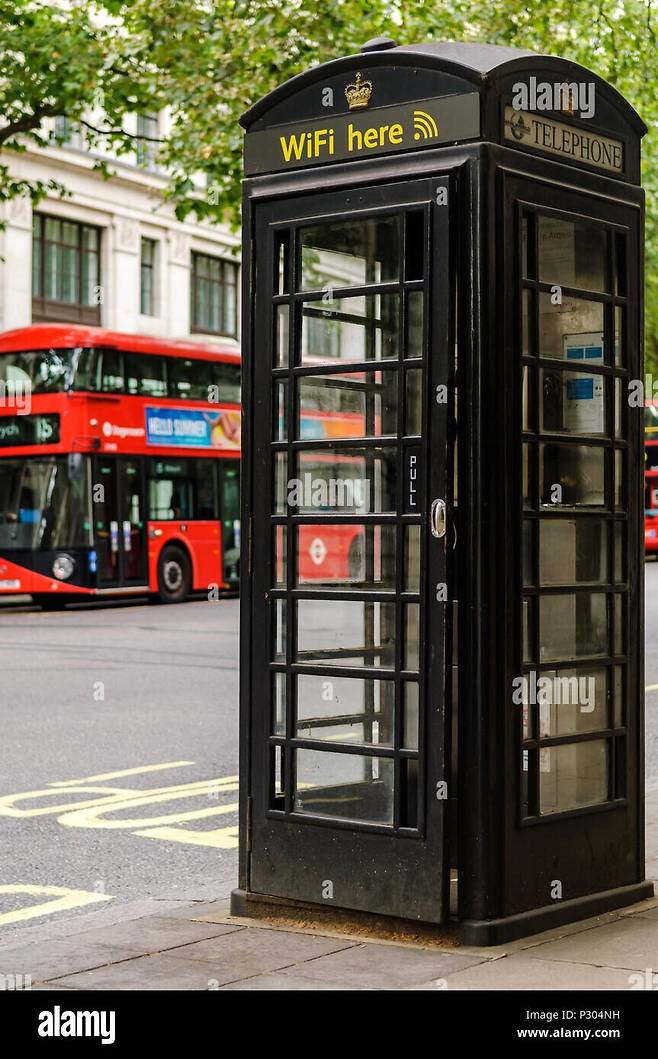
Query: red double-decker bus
{"x":119,"y":465}
{"x":651,"y":477}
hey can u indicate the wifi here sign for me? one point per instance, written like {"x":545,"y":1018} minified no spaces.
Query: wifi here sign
{"x":378,"y":130}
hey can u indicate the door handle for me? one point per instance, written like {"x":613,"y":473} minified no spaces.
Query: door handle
{"x":438,"y":513}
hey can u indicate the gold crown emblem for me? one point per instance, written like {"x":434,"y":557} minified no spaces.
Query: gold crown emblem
{"x":358,"y":94}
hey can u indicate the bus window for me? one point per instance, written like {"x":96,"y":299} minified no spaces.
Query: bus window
{"x":39,"y":371}
{"x":112,"y":380}
{"x":205,"y":489}
{"x":188,"y":379}
{"x":226,"y":377}
{"x":230,"y":516}
{"x":146,"y":375}
{"x":170,"y":495}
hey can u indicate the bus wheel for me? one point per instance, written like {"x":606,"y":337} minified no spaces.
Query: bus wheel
{"x":174,"y":575}
{"x":50,"y":600}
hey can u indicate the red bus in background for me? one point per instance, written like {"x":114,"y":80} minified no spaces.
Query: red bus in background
{"x":119,"y":465}
{"x":651,"y":477}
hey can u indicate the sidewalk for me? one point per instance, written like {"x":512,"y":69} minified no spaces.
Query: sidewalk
{"x":200,"y":946}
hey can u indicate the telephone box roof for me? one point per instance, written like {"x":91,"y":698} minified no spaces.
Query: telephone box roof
{"x":481,"y":65}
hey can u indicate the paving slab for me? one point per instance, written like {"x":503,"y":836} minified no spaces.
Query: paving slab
{"x":156,"y":933}
{"x":284,"y":982}
{"x":61,"y":956}
{"x":146,"y":972}
{"x":382,"y":966}
{"x":242,"y":955}
{"x":630,"y":943}
{"x":523,"y":972}
{"x":205,"y":911}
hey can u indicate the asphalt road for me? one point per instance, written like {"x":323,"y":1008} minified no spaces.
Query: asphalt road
{"x":95,"y":691}
{"x":124,"y":719}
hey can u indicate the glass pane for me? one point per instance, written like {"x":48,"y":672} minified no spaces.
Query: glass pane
{"x":572,"y":329}
{"x":350,"y":329}
{"x":527,"y":319}
{"x":527,"y":420}
{"x":572,"y":403}
{"x":414,"y":246}
{"x":281,"y":252}
{"x":527,"y":233}
{"x":618,"y":703}
{"x":569,"y":700}
{"x":281,"y":339}
{"x":412,"y":636}
{"x":527,"y":471}
{"x":414,"y":344}
{"x":573,"y":776}
{"x":280,"y":505}
{"x":528,"y":630}
{"x":346,"y":554}
{"x":527,"y":546}
{"x":620,"y":357}
{"x":281,"y":411}
{"x":619,"y":531}
{"x":354,"y":481}
{"x":572,"y":253}
{"x":280,"y":555}
{"x":279,"y":704}
{"x":346,"y":710}
{"x":364,"y":404}
{"x":571,"y":475}
{"x":348,"y":786}
{"x":349,"y":254}
{"x":620,"y":479}
{"x":619,"y":409}
{"x":412,"y":559}
{"x":280,"y":630}
{"x":620,"y":624}
{"x":573,"y":626}
{"x":346,"y":633}
{"x":573,"y":551}
{"x":414,"y":409}
{"x":410,"y":715}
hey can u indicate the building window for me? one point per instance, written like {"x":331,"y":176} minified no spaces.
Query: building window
{"x":66,"y":133}
{"x":214,"y":286}
{"x":146,"y":150}
{"x":147,"y":278}
{"x":65,"y":271}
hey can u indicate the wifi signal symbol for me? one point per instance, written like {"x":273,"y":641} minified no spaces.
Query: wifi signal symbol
{"x":425,"y":126}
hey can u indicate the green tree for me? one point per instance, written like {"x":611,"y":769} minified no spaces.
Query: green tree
{"x":206,"y":61}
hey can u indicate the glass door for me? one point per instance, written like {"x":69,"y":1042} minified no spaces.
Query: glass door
{"x":119,"y":528}
{"x":351,"y":337}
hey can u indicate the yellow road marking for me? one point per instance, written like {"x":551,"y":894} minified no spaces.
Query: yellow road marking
{"x":111,"y":795}
{"x":92,"y":811}
{"x":94,"y":817}
{"x":123,"y":772}
{"x":61,"y":899}
{"x":220,"y":838}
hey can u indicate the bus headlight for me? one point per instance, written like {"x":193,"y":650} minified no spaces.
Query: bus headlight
{"x":63,"y":567}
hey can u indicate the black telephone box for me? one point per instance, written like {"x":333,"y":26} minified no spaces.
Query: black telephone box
{"x":442,"y":569}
